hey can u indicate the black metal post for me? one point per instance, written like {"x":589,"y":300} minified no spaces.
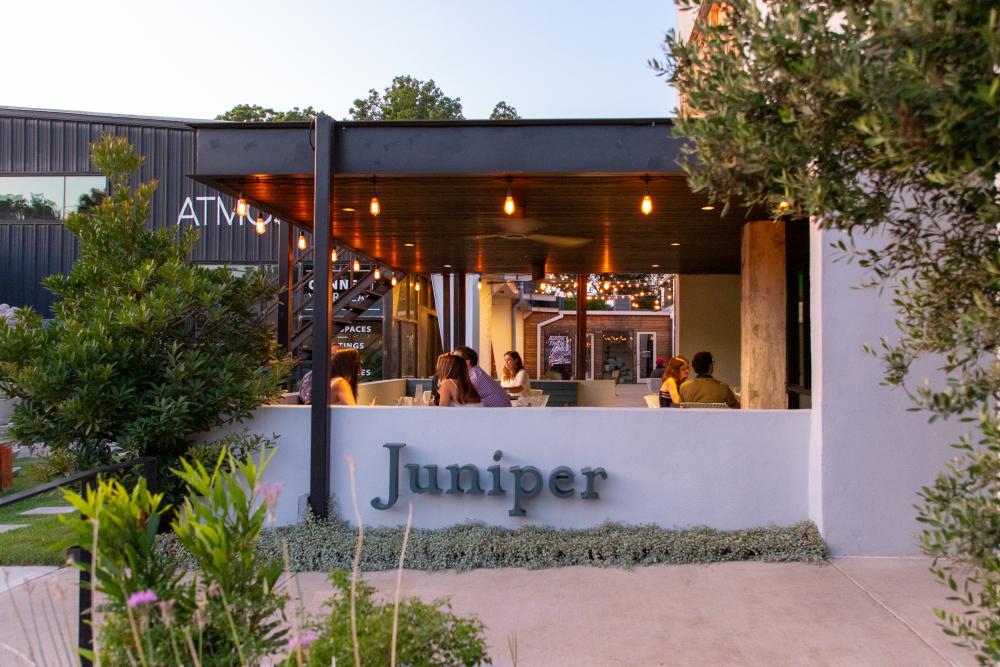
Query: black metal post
{"x":581,"y":326}
{"x":319,"y":476}
{"x":286,"y":268}
{"x":447,"y":312}
{"x":460,"y":337}
{"x":85,"y":599}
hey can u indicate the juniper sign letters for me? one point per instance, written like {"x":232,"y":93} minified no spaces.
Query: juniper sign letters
{"x":528,"y":481}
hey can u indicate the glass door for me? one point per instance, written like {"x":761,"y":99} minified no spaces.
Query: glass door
{"x":645,"y":354}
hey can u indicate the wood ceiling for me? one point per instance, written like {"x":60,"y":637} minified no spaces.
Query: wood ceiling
{"x":458,"y":221}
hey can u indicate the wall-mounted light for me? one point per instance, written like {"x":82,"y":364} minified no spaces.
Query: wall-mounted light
{"x":647,"y":202}
{"x":241,"y":206}
{"x":261,"y":228}
{"x":508,"y":202}
{"x":302,"y":241}
{"x":374,"y":207}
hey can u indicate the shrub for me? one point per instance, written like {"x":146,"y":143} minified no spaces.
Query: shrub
{"x":145,"y":349}
{"x":428,"y":635}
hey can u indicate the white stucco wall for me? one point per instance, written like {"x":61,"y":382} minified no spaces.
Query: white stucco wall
{"x":707,"y":312}
{"x":722,"y":468}
{"x":869,"y":456}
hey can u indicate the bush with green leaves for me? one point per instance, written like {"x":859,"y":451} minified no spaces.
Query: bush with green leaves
{"x":428,"y":635}
{"x":880,"y":117}
{"x":145,"y":349}
{"x":228,"y":612}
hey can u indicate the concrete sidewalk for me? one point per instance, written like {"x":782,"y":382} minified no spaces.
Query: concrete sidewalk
{"x":861,"y":611}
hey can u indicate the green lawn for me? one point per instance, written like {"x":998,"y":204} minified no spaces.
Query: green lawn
{"x":34,"y":544}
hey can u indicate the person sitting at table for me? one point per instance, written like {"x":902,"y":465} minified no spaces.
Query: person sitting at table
{"x":514,"y":378}
{"x":704,"y":388}
{"x":492,"y":393}
{"x":661,"y":365}
{"x":456,"y":387}
{"x":345,"y":368}
{"x":673,"y":377}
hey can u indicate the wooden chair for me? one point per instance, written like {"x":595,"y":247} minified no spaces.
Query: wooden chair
{"x":652,"y":400}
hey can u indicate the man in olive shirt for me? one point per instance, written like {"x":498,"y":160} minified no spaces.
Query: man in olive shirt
{"x":703,"y":388}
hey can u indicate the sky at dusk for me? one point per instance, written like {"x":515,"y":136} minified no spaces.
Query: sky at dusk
{"x":547,"y":58}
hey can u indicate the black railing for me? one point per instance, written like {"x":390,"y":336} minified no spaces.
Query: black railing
{"x":81,"y":556}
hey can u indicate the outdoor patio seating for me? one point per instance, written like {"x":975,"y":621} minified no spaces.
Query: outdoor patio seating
{"x":652,"y":400}
{"x":704,"y":405}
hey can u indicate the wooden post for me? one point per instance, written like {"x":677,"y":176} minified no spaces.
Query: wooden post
{"x":581,"y":326}
{"x":763,"y":313}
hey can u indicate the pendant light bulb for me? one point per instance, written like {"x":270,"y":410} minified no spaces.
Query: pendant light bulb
{"x":357,"y":265}
{"x":378,"y":274}
{"x":374,"y":207}
{"x":333,"y":255}
{"x":647,"y":201}
{"x":416,"y":286}
{"x":508,"y":204}
{"x":479,"y":284}
{"x":302,"y":241}
{"x":393,"y":281}
{"x":261,"y":228}
{"x":241,"y":206}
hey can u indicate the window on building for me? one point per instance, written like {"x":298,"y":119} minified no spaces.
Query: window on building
{"x":49,"y":197}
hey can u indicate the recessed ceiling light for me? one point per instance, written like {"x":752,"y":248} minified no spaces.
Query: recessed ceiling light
{"x":447,"y":266}
{"x":347,"y":209}
{"x":675,"y":244}
{"x":708,"y":207}
{"x":408,"y":245}
{"x":655,"y":266}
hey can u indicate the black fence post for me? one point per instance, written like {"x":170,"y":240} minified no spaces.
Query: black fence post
{"x":85,"y":599}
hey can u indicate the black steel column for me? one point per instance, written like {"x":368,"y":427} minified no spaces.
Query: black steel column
{"x":446,"y":311}
{"x":581,"y":326}
{"x":460,"y":338}
{"x":319,"y":475}
{"x":286,"y":271}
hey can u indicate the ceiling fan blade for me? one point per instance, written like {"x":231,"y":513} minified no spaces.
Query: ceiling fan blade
{"x":559,"y":241}
{"x":520,"y":226}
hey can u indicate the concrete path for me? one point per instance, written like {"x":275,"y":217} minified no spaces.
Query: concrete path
{"x":852,"y":612}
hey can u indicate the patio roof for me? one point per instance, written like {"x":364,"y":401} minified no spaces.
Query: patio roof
{"x":441,"y":185}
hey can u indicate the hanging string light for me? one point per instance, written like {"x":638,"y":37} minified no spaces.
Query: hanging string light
{"x":302,"y":241}
{"x":333,"y":255}
{"x":356,"y":266}
{"x":377,"y":274}
{"x":374,"y":207}
{"x":393,"y":281}
{"x":416,"y":286}
{"x":260,"y":223}
{"x":508,"y":202}
{"x":241,"y":206}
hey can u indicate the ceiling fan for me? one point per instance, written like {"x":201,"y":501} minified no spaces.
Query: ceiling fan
{"x":520,"y":229}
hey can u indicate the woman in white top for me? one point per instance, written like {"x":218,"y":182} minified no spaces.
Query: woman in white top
{"x":513,"y":378}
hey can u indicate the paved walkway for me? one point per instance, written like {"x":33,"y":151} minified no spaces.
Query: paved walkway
{"x":853,"y":612}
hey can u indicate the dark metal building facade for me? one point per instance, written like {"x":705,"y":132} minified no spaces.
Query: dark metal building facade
{"x":36,"y":143}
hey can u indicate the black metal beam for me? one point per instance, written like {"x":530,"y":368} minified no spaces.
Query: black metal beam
{"x":286,"y":269}
{"x":554,"y":147}
{"x":320,"y":458}
{"x":460,"y":333}
{"x":581,"y":326}
{"x":446,"y":311}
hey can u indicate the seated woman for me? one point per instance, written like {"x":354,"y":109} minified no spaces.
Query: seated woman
{"x":345,"y":367}
{"x":674,"y":375}
{"x":513,"y":378}
{"x":456,"y":388}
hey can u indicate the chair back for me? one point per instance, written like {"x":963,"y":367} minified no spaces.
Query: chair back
{"x":652,"y":400}
{"x":691,"y":406}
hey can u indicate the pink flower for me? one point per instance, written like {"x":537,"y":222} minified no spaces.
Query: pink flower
{"x":307,"y":638}
{"x":141,"y":597}
{"x":271,"y":491}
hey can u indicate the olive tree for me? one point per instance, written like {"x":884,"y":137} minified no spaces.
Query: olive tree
{"x":880,"y":116}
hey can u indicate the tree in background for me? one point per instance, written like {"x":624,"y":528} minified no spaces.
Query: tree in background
{"x":504,"y":111}
{"x":253,"y":113}
{"x":146,"y":350}
{"x":408,"y":99}
{"x":881,"y":116}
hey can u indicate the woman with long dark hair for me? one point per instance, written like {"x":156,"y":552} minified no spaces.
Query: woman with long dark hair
{"x":456,"y":388}
{"x":345,"y":367}
{"x":513,"y":378}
